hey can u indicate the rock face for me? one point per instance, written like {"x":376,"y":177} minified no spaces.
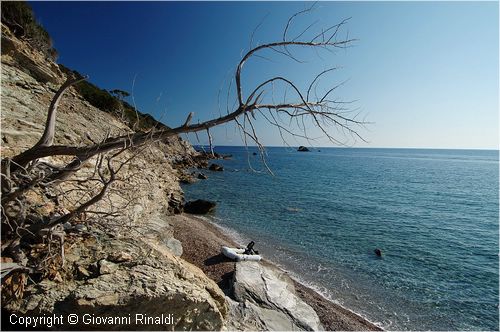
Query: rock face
{"x":134,"y":270}
{"x":175,"y":204}
{"x":216,"y":168}
{"x":199,"y":206}
{"x":31,"y":61}
{"x":153,"y":282}
{"x":303,"y":149}
{"x":187,"y":178}
{"x":266,"y":300}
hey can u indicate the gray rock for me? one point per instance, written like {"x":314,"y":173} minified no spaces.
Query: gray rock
{"x":246,"y":316}
{"x":120,"y":257}
{"x":175,"y":204}
{"x":153,"y":283}
{"x":83,"y":273}
{"x":80,"y":228}
{"x":271,"y":290}
{"x":175,"y":246}
{"x":106,"y":267}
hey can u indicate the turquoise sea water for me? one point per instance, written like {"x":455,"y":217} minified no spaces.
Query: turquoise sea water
{"x":433,"y":213}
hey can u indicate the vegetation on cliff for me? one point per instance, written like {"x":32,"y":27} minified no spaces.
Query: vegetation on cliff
{"x":112,"y":102}
{"x":19,"y":17}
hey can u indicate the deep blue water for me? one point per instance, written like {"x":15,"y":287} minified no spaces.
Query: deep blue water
{"x":433,"y":213}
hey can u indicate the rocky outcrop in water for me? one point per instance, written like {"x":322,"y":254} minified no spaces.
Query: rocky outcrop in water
{"x":186,"y":178}
{"x":199,"y":206}
{"x":216,"y":168}
{"x":303,"y":149}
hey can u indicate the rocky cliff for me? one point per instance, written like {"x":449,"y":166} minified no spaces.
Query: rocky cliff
{"x":122,"y":259}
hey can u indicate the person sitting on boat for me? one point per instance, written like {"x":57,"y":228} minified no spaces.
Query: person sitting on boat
{"x":249,"y":250}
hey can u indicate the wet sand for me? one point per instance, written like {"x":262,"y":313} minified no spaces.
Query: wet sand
{"x":201,"y":242}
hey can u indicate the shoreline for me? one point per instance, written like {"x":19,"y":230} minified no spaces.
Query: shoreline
{"x":201,"y":241}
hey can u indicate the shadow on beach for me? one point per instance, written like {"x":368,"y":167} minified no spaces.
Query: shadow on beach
{"x":225,"y":281}
{"x":217,"y":259}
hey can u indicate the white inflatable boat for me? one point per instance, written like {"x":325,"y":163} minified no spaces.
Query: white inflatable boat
{"x":238,"y":254}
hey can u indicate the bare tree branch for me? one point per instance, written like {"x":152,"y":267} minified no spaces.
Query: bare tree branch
{"x":50,"y":126}
{"x":300,"y":107}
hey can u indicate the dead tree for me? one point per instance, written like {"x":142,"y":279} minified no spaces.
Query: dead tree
{"x":25,"y":171}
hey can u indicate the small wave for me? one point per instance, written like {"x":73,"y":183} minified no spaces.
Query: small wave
{"x":320,"y":290}
{"x":229,"y":232}
{"x":327,"y":295}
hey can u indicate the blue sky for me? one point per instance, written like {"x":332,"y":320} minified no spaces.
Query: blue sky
{"x":424,"y":74}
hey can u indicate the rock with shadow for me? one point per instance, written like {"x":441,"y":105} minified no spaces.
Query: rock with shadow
{"x":199,"y":206}
{"x":216,"y":168}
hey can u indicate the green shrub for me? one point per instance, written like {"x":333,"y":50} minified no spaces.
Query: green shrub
{"x":99,"y":98}
{"x":19,"y":18}
{"x":106,"y":102}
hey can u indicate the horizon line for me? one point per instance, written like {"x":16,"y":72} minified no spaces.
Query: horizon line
{"x":352,"y":147}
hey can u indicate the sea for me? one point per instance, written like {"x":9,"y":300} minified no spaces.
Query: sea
{"x":434,"y":214}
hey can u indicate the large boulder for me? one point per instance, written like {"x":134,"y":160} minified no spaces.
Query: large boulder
{"x":199,"y":206}
{"x":267,"y":300}
{"x":160,"y":234}
{"x":153,"y":283}
{"x":247,"y":316}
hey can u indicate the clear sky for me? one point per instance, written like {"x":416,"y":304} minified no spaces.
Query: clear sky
{"x":425,"y":74}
